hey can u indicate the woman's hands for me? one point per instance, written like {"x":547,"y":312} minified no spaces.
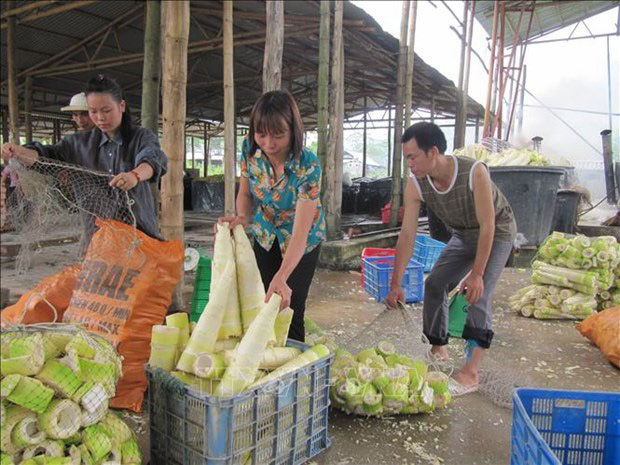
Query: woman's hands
{"x":232,"y":221}
{"x":17,"y":152}
{"x":125,"y":181}
{"x":278,"y":286}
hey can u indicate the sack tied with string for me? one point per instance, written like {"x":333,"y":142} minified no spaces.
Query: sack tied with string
{"x":124,"y":288}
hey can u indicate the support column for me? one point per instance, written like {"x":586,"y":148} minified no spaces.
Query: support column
{"x":333,"y":194}
{"x":274,"y":45}
{"x":323,"y":94}
{"x":207,"y":141}
{"x":229,"y":111}
{"x":389,"y":150}
{"x":364,"y":139}
{"x":398,"y":118}
{"x":151,"y":69}
{"x":28,"y":108}
{"x":173,"y":115}
{"x":12,"y":76}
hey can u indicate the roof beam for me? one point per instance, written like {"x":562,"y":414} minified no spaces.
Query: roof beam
{"x":51,"y":11}
{"x":24,"y":8}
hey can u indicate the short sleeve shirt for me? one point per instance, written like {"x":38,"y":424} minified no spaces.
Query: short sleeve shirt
{"x":275,"y":199}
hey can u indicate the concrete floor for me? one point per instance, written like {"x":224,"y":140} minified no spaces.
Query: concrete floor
{"x":473,"y":430}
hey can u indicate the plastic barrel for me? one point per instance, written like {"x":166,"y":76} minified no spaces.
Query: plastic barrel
{"x":565,"y":214}
{"x":531,"y":192}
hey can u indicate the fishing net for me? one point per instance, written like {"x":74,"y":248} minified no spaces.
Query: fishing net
{"x":57,"y":201}
{"x":402,"y":328}
{"x":56,"y":380}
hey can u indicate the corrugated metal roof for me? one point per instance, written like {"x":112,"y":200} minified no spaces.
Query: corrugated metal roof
{"x":370,"y":58}
{"x":549,"y":15}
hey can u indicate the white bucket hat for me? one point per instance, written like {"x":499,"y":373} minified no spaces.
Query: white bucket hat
{"x":77,"y":103}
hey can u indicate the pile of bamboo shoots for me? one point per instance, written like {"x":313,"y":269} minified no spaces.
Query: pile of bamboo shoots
{"x":572,"y":277}
{"x":239,"y":340}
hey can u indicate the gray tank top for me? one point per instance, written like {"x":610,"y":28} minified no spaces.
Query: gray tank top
{"x":455,"y":206}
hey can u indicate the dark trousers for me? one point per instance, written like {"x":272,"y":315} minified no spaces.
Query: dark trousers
{"x":299,"y":281}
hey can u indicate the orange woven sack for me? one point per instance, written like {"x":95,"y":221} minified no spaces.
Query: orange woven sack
{"x":603,"y":329}
{"x":35,"y":306}
{"x":125,"y":288}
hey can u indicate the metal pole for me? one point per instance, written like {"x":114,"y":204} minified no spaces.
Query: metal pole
{"x":609,"y":83}
{"x":610,"y":183}
{"x":364,"y":140}
{"x":389,"y":157}
{"x":522,"y":98}
{"x":487,"y":108}
{"x":193,"y":153}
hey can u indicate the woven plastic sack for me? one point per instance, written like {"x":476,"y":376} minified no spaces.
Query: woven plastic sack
{"x":124,"y":288}
{"x":603,"y":329}
{"x":45,"y":303}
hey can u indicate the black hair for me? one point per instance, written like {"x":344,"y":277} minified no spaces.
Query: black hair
{"x":102,"y":84}
{"x":427,"y":135}
{"x":270,"y":112}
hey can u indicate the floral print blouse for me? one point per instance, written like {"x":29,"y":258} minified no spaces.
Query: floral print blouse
{"x":275,"y":199}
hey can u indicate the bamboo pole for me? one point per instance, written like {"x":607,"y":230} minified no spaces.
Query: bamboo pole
{"x":5,"y":125}
{"x":274,"y":45}
{"x":398,"y":117}
{"x":333,"y":194}
{"x":323,"y":93}
{"x":23,"y":9}
{"x":174,"y":72}
{"x":459,"y":121}
{"x":151,"y":69}
{"x":364,"y":138}
{"x":410,"y":63}
{"x":487,"y":109}
{"x":174,"y":92}
{"x":12,"y":77}
{"x":207,"y":145}
{"x":229,"y":110}
{"x":51,"y":11}
{"x":28,"y":108}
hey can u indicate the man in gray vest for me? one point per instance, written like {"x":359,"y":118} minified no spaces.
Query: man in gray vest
{"x":460,"y":192}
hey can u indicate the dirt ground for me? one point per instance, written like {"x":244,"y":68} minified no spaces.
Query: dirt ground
{"x":472,"y":430}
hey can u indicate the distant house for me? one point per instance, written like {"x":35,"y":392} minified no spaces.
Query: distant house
{"x":352,"y":164}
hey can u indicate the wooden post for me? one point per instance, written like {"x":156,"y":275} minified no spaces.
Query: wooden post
{"x":205,"y":154}
{"x":229,"y":111}
{"x":409,"y":78}
{"x":389,"y":150}
{"x":364,"y":141}
{"x":487,"y":109}
{"x":274,"y":44}
{"x":459,"y":123}
{"x":5,"y":125}
{"x":12,"y":76}
{"x":193,"y":153}
{"x":333,"y":172}
{"x":398,"y":118}
{"x":174,"y":71}
{"x":323,"y":95}
{"x":465,"y":92}
{"x":28,"y":108}
{"x":410,"y":63}
{"x":151,"y":69}
{"x":56,"y":135}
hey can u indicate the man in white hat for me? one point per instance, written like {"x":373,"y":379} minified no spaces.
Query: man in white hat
{"x":79,"y":112}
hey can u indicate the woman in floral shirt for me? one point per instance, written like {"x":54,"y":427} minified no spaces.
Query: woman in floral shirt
{"x":279,"y":197}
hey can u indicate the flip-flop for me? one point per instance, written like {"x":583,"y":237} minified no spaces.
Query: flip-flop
{"x":457,"y":389}
{"x":439,"y":363}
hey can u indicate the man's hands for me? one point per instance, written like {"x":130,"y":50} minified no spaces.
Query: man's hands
{"x":473,"y":286}
{"x":278,"y":286}
{"x":396,"y":294}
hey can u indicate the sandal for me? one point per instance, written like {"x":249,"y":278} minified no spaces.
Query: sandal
{"x":457,"y":389}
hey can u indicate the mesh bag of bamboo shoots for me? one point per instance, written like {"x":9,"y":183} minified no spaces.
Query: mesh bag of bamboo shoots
{"x":55,"y":383}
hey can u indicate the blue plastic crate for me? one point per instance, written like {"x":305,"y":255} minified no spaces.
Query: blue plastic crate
{"x":552,"y":427}
{"x":378,"y":276}
{"x":426,"y":251}
{"x":281,"y":422}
